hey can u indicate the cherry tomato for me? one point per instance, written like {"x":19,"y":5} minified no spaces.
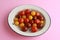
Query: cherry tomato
{"x":24,"y":29}
{"x":34,"y":29}
{"x":16,"y":23}
{"x":40,"y":26}
{"x":31,"y":21}
{"x":15,"y":19}
{"x":21,"y":24}
{"x":37,"y":14}
{"x":26,"y":20}
{"x":41,"y":17}
{"x":27,"y":11}
{"x":17,"y":16}
{"x":21,"y":20}
{"x":37,"y":21}
{"x":33,"y":13}
{"x":28,"y":25}
{"x":34,"y":24}
{"x":30,"y":17}
{"x":21,"y":13}
{"x":27,"y":15}
{"x":35,"y":17}
{"x":42,"y":22}
{"x":24,"y":16}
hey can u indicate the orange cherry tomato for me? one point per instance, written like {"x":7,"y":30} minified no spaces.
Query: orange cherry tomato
{"x":34,"y":29}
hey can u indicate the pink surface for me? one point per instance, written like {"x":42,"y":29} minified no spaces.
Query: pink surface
{"x":51,"y":6}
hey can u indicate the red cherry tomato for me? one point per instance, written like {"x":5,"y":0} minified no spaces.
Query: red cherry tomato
{"x":34,"y":29}
{"x":27,"y":11}
{"x":17,"y":16}
{"x":21,"y":13}
{"x":37,"y":21}
{"x":31,"y":21}
{"x":27,"y":15}
{"x":24,"y":29}
{"x":40,"y":26}
{"x":26,"y":20}
{"x":35,"y":17}
{"x":37,"y":14}
{"x":28,"y":25}
{"x":21,"y":20}
{"x":41,"y":17}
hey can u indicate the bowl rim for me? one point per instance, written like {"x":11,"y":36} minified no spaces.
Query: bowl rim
{"x":43,"y":15}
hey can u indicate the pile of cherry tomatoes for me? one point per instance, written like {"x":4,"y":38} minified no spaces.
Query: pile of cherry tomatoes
{"x":31,"y":20}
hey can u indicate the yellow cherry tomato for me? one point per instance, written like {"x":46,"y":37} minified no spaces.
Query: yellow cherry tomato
{"x":30,"y":17}
{"x":23,"y":16}
{"x":35,"y":24}
{"x":33,"y":13}
{"x":22,"y":24}
{"x":15,"y":19}
{"x":42,"y":22}
{"x":16,"y":23}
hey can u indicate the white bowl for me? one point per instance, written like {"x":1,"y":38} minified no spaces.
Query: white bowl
{"x":19,"y":8}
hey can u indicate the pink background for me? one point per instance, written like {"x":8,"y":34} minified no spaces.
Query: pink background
{"x":51,"y":6}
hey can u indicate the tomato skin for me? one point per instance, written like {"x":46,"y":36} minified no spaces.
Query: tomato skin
{"x":21,"y":20}
{"x":26,"y":20}
{"x":35,"y":17}
{"x":30,"y":17}
{"x":41,"y":17}
{"x":16,"y":23}
{"x":27,"y":11}
{"x":15,"y":19}
{"x":34,"y":24}
{"x":34,"y":29}
{"x":37,"y":21}
{"x":28,"y":25}
{"x":40,"y":26}
{"x":21,"y":13}
{"x":21,"y":24}
{"x":37,"y":14}
{"x":33,"y":13}
{"x":24,"y":29}
{"x":24,"y":16}
{"x":31,"y":21}
{"x":18,"y":16}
